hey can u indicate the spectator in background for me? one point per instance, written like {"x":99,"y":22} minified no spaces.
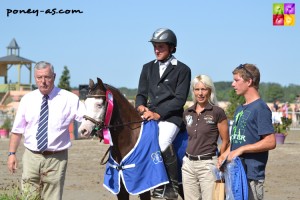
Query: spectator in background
{"x":275,"y":107}
{"x":285,"y":109}
{"x":297,"y":108}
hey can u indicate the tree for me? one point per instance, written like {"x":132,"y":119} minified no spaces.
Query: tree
{"x":234,"y":101}
{"x":271,"y":91}
{"x":64,"y":80}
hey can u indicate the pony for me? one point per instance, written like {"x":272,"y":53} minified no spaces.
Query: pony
{"x":118,"y":123}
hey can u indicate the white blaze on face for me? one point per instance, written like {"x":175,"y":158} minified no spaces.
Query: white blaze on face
{"x":95,"y":109}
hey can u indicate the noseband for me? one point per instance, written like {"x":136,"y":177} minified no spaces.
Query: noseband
{"x":99,"y":124}
{"x":104,"y":124}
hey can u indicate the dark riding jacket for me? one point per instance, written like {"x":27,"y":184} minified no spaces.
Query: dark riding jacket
{"x":165,"y":95}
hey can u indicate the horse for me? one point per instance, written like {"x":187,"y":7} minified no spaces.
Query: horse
{"x":117,"y":122}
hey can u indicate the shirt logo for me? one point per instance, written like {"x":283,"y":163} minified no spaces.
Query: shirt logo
{"x":209,"y":119}
{"x":238,"y":135}
{"x":189,"y":120}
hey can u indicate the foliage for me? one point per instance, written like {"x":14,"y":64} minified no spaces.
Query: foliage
{"x":129,"y":93}
{"x":64,"y":80}
{"x":268,"y":92}
{"x":223,"y":90}
{"x":14,"y":192}
{"x":6,"y":124}
{"x":271,"y":91}
{"x":283,"y":127}
{"x":234,"y":102}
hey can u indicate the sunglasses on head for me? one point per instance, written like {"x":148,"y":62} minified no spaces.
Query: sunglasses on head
{"x":241,"y":66}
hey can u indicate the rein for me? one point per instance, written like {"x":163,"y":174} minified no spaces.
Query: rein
{"x":102,"y":127}
{"x":100,"y":124}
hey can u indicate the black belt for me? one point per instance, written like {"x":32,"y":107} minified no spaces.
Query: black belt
{"x":204,"y":157}
{"x":47,"y":153}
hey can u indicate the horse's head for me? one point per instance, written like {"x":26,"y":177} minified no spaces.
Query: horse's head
{"x":95,"y":107}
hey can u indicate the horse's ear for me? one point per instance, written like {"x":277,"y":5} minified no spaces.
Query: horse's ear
{"x":91,"y":85}
{"x":100,"y":83}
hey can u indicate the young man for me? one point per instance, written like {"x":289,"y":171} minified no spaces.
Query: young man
{"x":43,"y":117}
{"x":252,"y":134}
{"x":162,"y":92}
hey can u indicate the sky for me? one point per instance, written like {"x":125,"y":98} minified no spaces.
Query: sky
{"x":110,"y":38}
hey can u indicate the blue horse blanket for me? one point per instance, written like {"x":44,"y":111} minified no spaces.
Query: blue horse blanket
{"x":142,"y":169}
{"x":236,"y":182}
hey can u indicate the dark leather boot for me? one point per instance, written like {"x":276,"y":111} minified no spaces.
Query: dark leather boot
{"x":170,"y":190}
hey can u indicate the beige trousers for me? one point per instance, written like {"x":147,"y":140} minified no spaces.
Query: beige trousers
{"x":44,"y":175}
{"x":197,"y":179}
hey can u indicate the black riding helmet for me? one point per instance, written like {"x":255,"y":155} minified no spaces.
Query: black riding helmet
{"x":165,"y":35}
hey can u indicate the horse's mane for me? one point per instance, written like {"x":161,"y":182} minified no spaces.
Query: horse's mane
{"x":118,"y":92}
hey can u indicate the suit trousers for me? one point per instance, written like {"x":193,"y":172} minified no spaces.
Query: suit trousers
{"x":44,"y":174}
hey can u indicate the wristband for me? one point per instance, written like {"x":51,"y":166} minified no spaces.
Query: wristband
{"x":11,"y":153}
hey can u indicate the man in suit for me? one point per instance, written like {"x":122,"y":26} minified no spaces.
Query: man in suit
{"x":162,"y":92}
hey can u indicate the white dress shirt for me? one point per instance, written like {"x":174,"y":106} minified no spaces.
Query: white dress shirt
{"x":64,"y":107}
{"x":163,"y":65}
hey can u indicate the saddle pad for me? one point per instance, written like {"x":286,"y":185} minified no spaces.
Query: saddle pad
{"x":180,"y":144}
{"x":142,"y":169}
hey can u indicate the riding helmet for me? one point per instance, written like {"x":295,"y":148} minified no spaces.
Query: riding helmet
{"x":165,"y":35}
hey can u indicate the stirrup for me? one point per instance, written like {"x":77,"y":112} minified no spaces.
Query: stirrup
{"x":158,"y":193}
{"x":166,"y":192}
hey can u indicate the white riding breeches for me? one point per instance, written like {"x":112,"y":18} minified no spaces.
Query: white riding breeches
{"x":167,"y":132}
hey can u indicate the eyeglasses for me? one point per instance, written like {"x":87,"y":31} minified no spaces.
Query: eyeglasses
{"x":246,"y":70}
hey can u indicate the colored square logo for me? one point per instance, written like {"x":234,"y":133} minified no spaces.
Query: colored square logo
{"x":289,"y":8}
{"x":278,"y":20}
{"x":284,"y":14}
{"x":289,"y":20}
{"x":278,"y":9}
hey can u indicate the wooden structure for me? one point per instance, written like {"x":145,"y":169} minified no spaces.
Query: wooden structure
{"x":12,"y":59}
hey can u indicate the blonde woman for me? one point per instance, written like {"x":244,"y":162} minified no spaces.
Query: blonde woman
{"x":205,"y":122}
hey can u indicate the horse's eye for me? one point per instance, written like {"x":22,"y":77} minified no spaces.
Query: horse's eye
{"x":99,"y":105}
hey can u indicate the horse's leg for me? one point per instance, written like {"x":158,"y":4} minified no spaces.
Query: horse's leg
{"x":123,"y":194}
{"x":145,"y":196}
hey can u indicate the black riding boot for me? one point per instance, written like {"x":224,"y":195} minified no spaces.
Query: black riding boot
{"x":170,"y":190}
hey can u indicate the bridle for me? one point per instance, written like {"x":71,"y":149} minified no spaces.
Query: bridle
{"x":99,"y":124}
{"x":102,"y":126}
{"x":105,"y":123}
